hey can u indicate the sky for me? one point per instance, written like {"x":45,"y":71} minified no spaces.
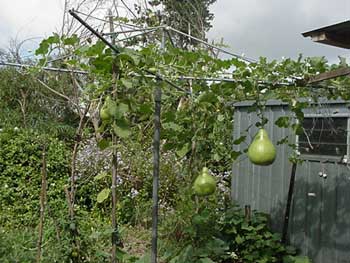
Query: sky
{"x":270,"y":28}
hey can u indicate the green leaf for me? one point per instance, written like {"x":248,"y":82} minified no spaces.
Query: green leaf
{"x":146,"y":108}
{"x":54,"y":39}
{"x":130,"y":56}
{"x":239,"y":140}
{"x":206,"y":260}
{"x":101,"y":175}
{"x":122,"y":131}
{"x":239,"y":240}
{"x":103,"y":195}
{"x":282,"y":122}
{"x":221,"y":117}
{"x":216,"y":157}
{"x":144,"y":259}
{"x":297,"y":128}
{"x":71,"y":40}
{"x":235,"y":154}
{"x":184,"y":150}
{"x":208,"y":97}
{"x":103,"y":144}
{"x":123,"y":108}
{"x":297,"y":259}
{"x":126,"y":82}
{"x":172,"y":126}
{"x":96,"y":49}
{"x":82,"y":49}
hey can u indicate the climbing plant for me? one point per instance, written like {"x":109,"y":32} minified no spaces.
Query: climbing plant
{"x":197,"y":108}
{"x":195,"y":122}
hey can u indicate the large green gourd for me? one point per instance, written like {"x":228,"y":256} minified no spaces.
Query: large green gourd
{"x":204,"y":184}
{"x":261,"y":151}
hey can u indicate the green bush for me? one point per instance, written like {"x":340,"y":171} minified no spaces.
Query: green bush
{"x":20,"y":176}
{"x":209,"y":230}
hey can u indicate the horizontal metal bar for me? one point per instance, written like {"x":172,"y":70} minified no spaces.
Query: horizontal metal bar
{"x":133,"y":30}
{"x":140,"y":34}
{"x":151,"y":75}
{"x":322,"y":143}
{"x":17,"y":65}
{"x":210,"y":45}
{"x":179,"y":32}
{"x":107,"y":21}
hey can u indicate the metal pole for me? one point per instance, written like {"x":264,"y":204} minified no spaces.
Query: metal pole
{"x":181,"y":33}
{"x":137,"y":35}
{"x":17,"y":65}
{"x":73,"y":13}
{"x":133,"y":30}
{"x":250,"y":60}
{"x":156,"y":161}
{"x":289,"y":202}
{"x":291,"y":83}
{"x":116,"y":50}
{"x":115,"y":236}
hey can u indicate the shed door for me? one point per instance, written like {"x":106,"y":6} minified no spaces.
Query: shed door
{"x":321,"y":206}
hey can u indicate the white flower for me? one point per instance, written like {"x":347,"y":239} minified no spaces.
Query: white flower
{"x":16,"y":129}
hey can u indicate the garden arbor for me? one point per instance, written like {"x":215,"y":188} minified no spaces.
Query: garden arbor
{"x":201,"y":132}
{"x":157,"y":114}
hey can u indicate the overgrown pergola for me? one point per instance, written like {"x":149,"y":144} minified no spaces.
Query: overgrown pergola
{"x":160,"y":79}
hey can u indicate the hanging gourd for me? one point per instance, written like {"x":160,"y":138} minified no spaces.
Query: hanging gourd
{"x":104,"y":115}
{"x":261,"y":151}
{"x":109,"y":110}
{"x":204,"y":184}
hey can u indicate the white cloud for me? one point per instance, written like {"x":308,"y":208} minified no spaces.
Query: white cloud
{"x":273,"y":28}
{"x":23,"y":19}
{"x":269,"y":28}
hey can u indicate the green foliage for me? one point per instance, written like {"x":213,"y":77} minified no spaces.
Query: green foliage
{"x":26,"y":104}
{"x":184,"y":14}
{"x":250,"y":240}
{"x":196,"y":132}
{"x":296,"y":259}
{"x":211,"y":231}
{"x":20,"y":170}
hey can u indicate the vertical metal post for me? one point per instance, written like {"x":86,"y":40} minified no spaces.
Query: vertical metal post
{"x":156,"y":161}
{"x":156,"y":158}
{"x":289,"y":202}
{"x":115,"y":236}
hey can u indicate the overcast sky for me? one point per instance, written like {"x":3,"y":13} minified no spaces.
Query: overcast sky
{"x":256,"y":28}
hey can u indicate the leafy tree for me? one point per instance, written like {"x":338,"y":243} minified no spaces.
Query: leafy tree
{"x":192,"y":17}
{"x":25,"y":103}
{"x":187,"y":15}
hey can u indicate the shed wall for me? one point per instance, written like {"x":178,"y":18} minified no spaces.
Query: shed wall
{"x":320,"y":214}
{"x":262,"y":187}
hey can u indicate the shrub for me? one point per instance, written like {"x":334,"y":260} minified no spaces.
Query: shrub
{"x":208,"y":230}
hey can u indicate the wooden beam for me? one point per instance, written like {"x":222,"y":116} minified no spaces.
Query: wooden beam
{"x":333,"y":39}
{"x":340,"y":72}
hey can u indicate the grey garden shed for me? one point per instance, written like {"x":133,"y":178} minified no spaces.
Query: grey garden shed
{"x":319,"y":223}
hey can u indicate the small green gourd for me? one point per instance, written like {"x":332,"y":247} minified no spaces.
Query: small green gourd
{"x":109,"y":110}
{"x":204,"y":184}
